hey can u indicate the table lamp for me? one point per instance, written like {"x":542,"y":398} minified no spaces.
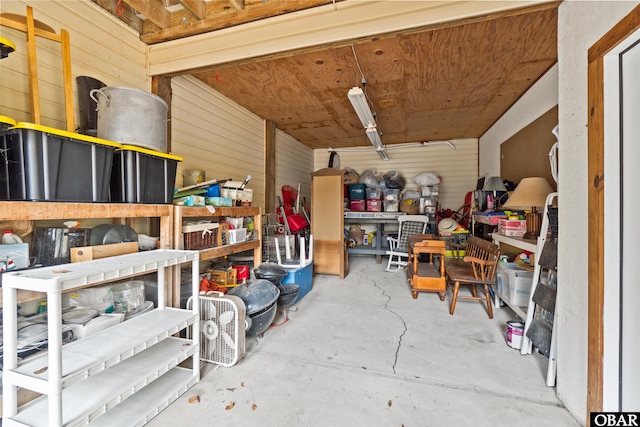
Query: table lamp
{"x":531,"y":193}
{"x":493,"y":184}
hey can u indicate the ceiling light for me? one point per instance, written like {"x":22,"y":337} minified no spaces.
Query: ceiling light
{"x":361,"y":106}
{"x":374,"y":137}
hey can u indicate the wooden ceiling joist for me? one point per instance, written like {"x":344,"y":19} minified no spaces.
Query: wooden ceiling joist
{"x":197,"y":7}
{"x":238,"y":4}
{"x":154,"y":10}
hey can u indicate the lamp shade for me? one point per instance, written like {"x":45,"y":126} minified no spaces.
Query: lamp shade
{"x":531,"y":192}
{"x":494,"y":183}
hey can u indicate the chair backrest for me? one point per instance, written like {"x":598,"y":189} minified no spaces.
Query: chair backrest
{"x":408,"y":225}
{"x":485,"y":251}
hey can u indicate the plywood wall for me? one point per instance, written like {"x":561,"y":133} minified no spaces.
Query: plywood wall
{"x":526,"y":153}
{"x":459,"y":167}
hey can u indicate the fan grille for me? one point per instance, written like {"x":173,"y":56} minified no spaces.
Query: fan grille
{"x":222,"y":334}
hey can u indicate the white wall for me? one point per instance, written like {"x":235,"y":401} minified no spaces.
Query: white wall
{"x":294,"y":164}
{"x":539,"y":99}
{"x":581,"y":24}
{"x":216,"y":135}
{"x":226,"y":140}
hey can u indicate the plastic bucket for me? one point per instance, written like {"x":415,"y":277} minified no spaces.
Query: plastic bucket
{"x":515,"y":330}
{"x":128,"y":297}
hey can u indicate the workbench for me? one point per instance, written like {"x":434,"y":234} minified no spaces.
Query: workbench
{"x":379,"y":219}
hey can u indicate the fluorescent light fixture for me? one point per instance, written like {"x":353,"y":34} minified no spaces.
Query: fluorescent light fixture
{"x":383,"y":154}
{"x":361,"y":106}
{"x":374,"y":137}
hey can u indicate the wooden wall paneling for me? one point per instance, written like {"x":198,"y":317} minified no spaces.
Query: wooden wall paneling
{"x":596,"y":237}
{"x":612,"y":38}
{"x":526,"y":153}
{"x":270,"y":169}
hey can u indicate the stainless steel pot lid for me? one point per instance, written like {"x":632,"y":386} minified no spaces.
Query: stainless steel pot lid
{"x":106,"y":234}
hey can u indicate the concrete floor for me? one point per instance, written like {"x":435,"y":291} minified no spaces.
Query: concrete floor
{"x":362,"y":352}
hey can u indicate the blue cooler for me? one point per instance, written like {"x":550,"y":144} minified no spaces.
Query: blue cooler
{"x":303,"y":277}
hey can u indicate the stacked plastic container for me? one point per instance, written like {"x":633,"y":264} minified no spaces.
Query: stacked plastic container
{"x":429,"y":201}
{"x":357,"y":197}
{"x":374,"y":200}
{"x":47,"y":164}
{"x":391,"y":200}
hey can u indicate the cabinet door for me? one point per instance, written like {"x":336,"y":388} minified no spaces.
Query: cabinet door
{"x":327,"y":222}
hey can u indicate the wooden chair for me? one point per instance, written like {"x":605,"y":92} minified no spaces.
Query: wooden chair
{"x":408,"y":225}
{"x":476,"y":268}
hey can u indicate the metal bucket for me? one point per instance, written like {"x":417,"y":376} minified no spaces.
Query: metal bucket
{"x":88,"y":118}
{"x":131,"y":116}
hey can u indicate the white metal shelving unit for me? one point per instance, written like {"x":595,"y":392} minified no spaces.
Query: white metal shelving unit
{"x":129,"y":371}
{"x":520,"y":243}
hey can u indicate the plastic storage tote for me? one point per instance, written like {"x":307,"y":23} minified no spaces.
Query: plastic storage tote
{"x":47,"y":164}
{"x":141,"y":175}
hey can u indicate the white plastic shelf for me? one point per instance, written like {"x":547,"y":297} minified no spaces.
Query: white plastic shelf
{"x":98,"y":394}
{"x":140,"y":408}
{"x":84,"y":380}
{"x":60,"y":278}
{"x":84,"y":358}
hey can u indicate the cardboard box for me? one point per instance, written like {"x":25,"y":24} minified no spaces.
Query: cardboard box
{"x":223,"y":277}
{"x":458,"y":236}
{"x":512,"y":227}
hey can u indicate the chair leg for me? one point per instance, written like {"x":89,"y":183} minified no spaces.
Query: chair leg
{"x":397,"y":264}
{"x":454,"y":298}
{"x":389,"y":263}
{"x":488,"y":298}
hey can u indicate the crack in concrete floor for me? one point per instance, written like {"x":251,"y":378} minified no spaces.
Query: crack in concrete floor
{"x":404,"y":324}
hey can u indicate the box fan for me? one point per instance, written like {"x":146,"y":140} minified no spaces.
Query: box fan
{"x":222,"y":328}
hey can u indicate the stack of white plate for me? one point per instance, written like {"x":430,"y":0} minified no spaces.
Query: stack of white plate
{"x":148,"y":306}
{"x":79,"y":316}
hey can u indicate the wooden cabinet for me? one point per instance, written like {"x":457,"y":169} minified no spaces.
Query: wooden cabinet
{"x":327,"y":222}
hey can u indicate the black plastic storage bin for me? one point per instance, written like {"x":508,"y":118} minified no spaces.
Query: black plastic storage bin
{"x":47,"y":164}
{"x":6,"y":123}
{"x":141,"y":175}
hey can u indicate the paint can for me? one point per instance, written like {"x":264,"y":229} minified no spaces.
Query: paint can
{"x":515,"y":329}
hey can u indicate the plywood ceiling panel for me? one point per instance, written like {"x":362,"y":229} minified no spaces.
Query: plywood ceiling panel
{"x":435,"y":83}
